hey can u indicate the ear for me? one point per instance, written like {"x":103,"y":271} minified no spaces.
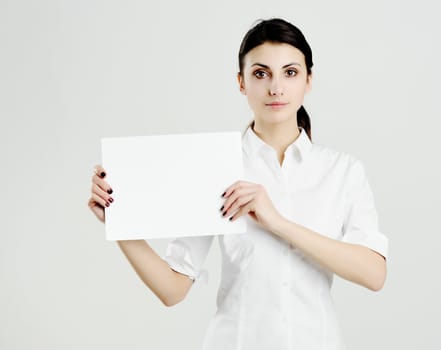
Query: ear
{"x":308,"y":83}
{"x":241,"y":84}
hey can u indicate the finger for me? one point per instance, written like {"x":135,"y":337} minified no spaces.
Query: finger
{"x":242,"y":211}
{"x":235,"y":186}
{"x":236,"y":195}
{"x":238,"y":204}
{"x":99,"y":171}
{"x":98,"y":210}
{"x":102,"y":194}
{"x":102,"y":184}
{"x":237,"y":192}
{"x":97,"y":200}
{"x":92,"y":203}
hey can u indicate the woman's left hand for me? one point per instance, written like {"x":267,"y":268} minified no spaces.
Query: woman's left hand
{"x":249,"y":198}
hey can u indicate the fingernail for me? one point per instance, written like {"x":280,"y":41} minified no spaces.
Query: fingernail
{"x":221,"y":208}
{"x":223,"y":194}
{"x":223,"y":214}
{"x":231,"y":218}
{"x":107,"y":204}
{"x":109,"y":191}
{"x":103,"y":174}
{"x":111,"y":200}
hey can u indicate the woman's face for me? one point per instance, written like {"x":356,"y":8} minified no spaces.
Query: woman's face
{"x":275,"y":80}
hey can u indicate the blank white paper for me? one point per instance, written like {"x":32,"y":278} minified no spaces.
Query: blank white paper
{"x":171,"y":185}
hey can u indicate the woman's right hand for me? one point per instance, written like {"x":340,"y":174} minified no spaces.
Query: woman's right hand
{"x":101,"y":192}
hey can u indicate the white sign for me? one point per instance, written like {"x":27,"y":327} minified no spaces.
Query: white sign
{"x":171,"y":185}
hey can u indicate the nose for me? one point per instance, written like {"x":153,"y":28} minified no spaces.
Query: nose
{"x":275,"y":88}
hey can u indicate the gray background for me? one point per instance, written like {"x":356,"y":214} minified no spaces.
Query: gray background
{"x":72,"y":72}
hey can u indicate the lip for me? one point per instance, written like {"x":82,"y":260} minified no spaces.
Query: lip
{"x":276,"y":104}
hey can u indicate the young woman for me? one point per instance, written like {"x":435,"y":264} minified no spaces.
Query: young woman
{"x":310,"y":215}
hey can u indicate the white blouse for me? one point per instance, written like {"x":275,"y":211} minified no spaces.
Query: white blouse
{"x":270,"y":295}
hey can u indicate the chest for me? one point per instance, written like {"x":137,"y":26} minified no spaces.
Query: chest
{"x":307,"y":194}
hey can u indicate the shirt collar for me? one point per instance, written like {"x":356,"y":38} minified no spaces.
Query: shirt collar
{"x":251,"y":144}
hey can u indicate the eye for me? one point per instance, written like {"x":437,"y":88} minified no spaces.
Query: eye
{"x":291,"y":73}
{"x":260,"y":74}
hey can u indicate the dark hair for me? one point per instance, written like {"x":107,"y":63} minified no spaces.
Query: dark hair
{"x":277,"y":30}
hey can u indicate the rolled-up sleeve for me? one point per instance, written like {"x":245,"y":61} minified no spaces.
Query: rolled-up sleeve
{"x":361,"y":220}
{"x":186,"y":255}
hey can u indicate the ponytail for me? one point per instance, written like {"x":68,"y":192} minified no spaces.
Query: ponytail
{"x":304,"y":121}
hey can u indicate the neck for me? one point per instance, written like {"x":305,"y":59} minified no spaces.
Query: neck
{"x":279,"y":136}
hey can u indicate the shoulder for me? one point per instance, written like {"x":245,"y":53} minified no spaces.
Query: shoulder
{"x":344,"y":164}
{"x":330,"y":155}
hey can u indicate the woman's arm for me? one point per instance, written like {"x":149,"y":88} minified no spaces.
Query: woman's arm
{"x":353,"y":262}
{"x":169,"y":286}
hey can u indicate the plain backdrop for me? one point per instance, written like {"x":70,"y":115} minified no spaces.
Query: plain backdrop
{"x":72,"y":72}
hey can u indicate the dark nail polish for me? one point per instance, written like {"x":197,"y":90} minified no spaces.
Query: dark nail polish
{"x":103,"y":174}
{"x":231,"y":218}
{"x":109,"y":191}
{"x":221,"y":208}
{"x":223,"y":194}
{"x":223,"y":214}
{"x":107,"y":204}
{"x":111,"y":200}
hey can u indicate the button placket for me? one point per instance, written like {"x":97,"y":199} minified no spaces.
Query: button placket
{"x":284,"y":286}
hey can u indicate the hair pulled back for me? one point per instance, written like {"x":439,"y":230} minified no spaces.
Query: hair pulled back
{"x":277,"y":30}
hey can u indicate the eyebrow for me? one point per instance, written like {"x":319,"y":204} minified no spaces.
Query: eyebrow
{"x":285,"y":66}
